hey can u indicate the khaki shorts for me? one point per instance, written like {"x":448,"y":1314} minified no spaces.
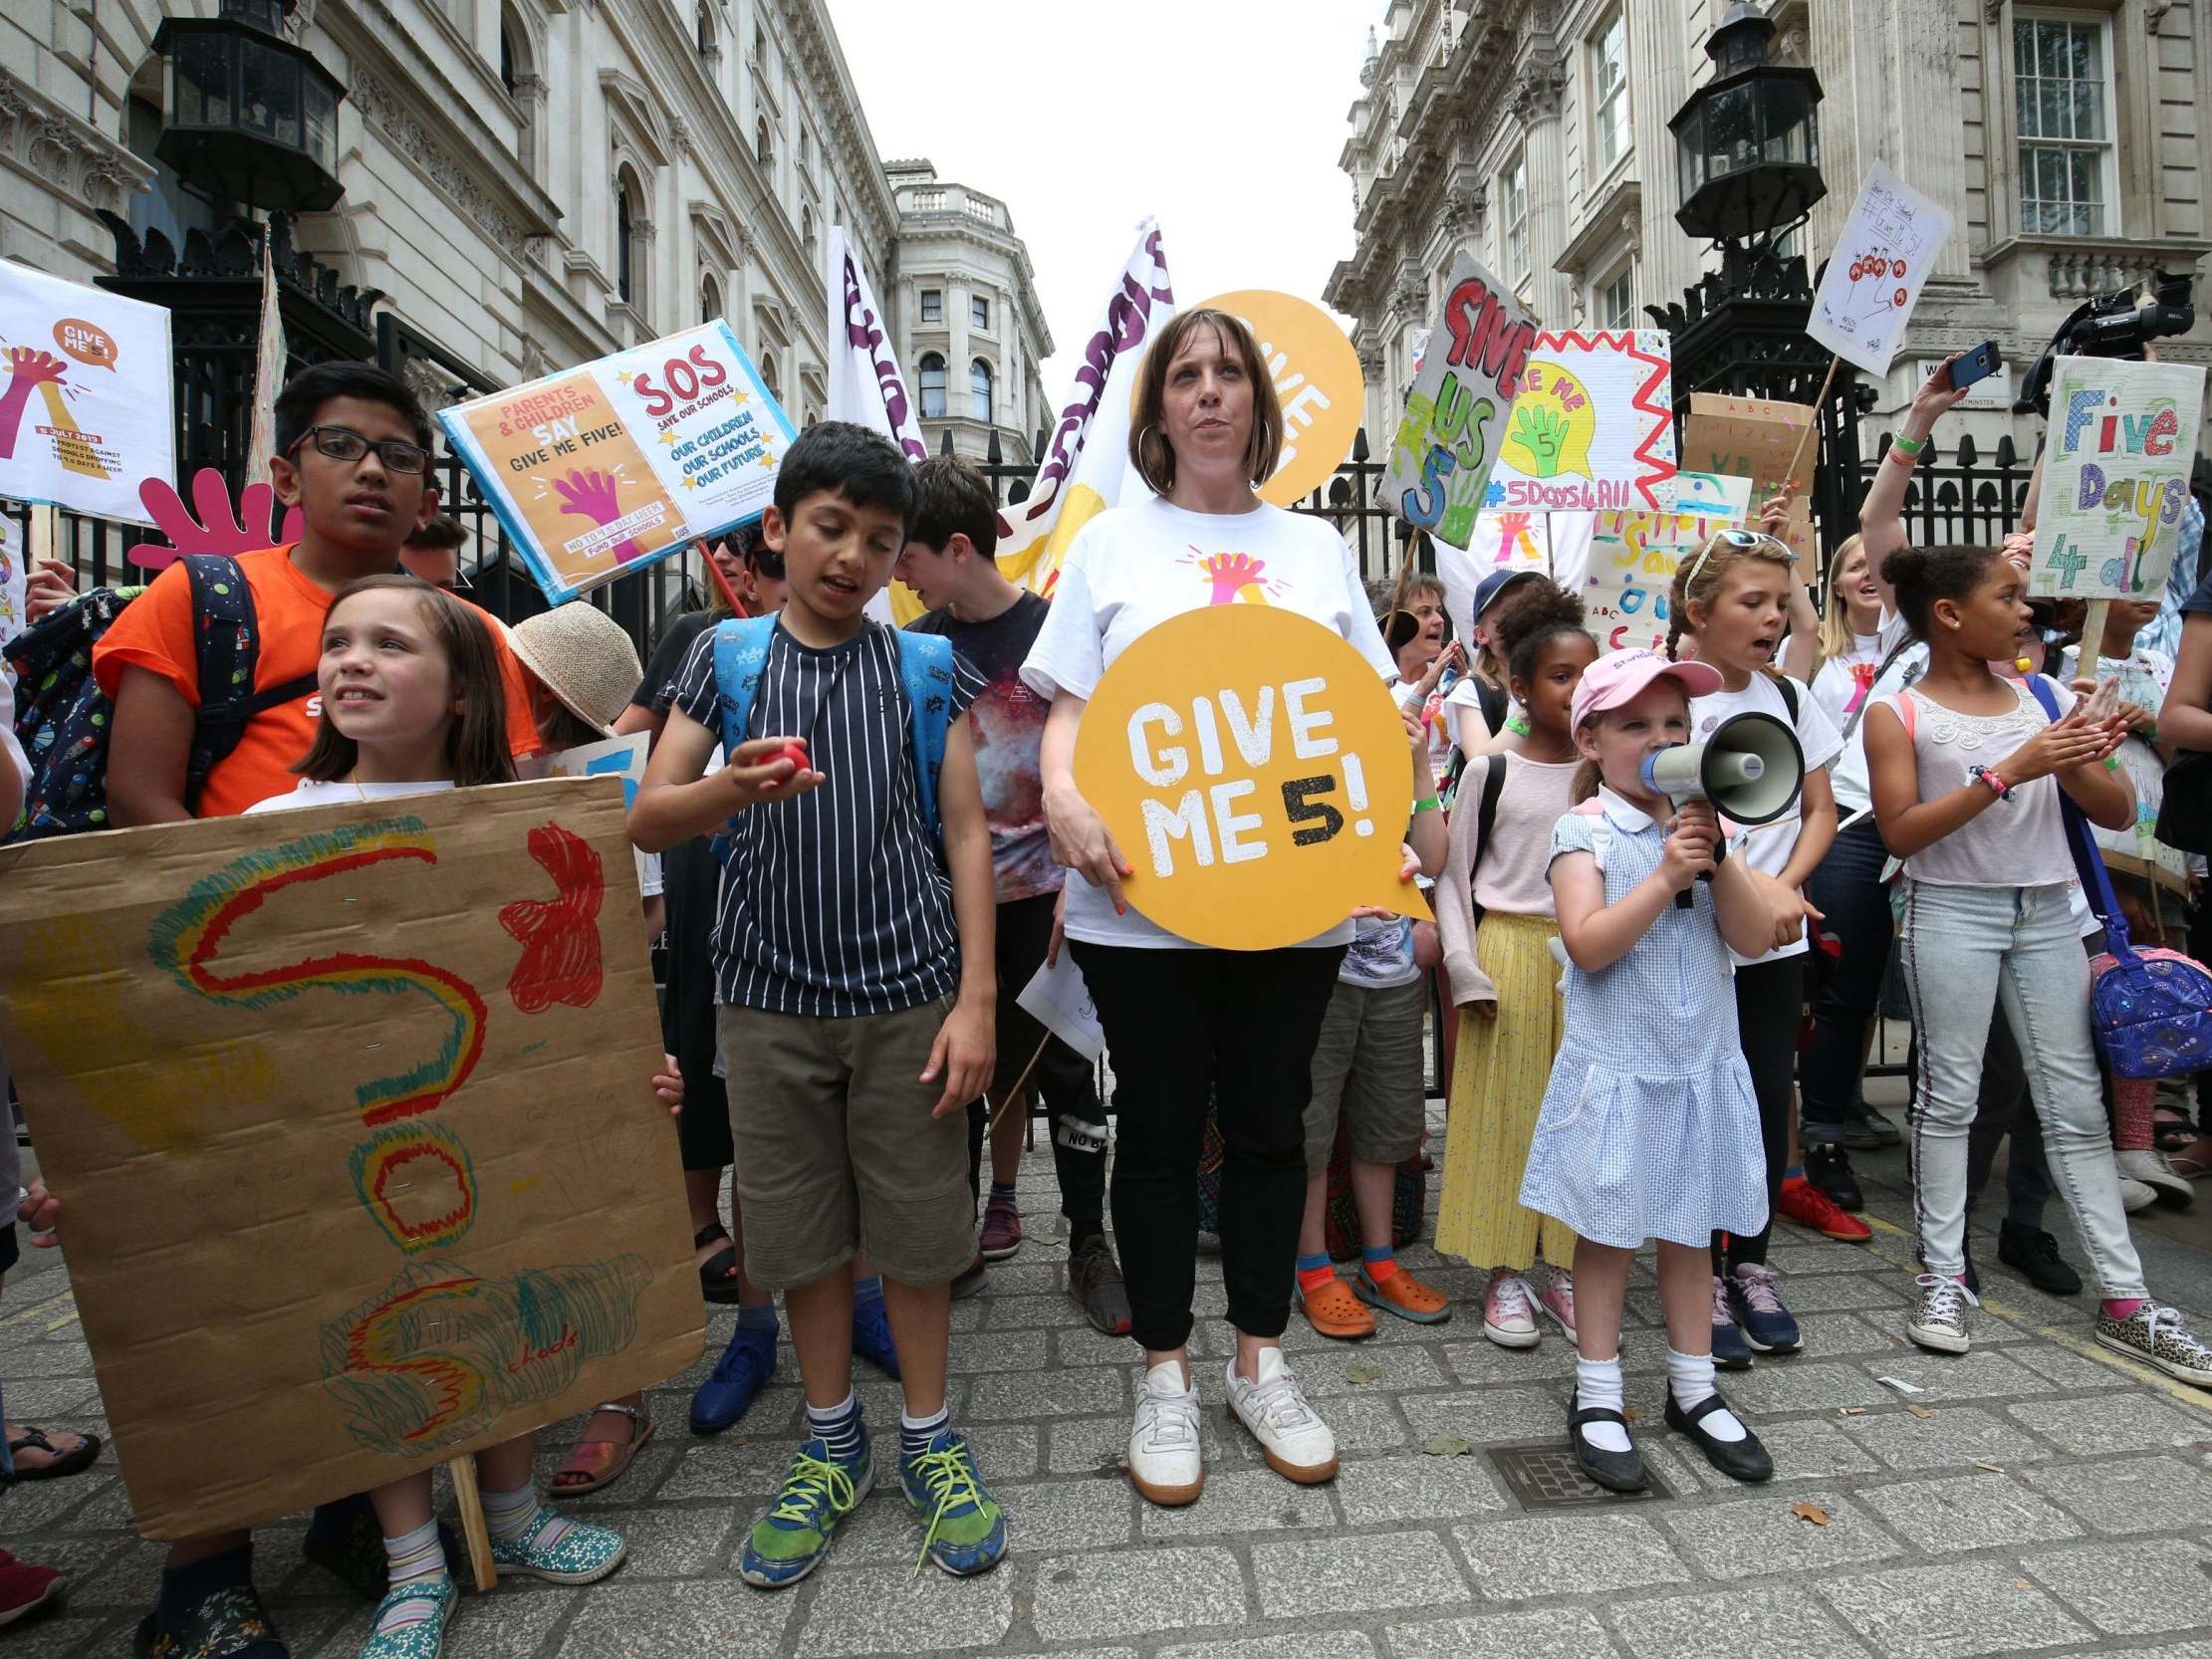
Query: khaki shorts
{"x":1369,"y":1065}
{"x":836,"y":1150}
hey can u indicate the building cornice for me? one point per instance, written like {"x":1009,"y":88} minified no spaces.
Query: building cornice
{"x":65,"y":154}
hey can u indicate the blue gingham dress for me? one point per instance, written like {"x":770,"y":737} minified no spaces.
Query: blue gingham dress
{"x":1649,"y":1128}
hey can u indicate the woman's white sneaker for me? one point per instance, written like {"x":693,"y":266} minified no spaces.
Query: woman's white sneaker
{"x":1164,"y":1462}
{"x":1296,"y":1442}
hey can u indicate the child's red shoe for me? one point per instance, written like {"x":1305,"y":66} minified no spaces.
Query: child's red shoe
{"x":25,"y":1588}
{"x":1808,"y":1206}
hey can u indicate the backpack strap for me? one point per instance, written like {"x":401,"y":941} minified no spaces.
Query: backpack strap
{"x":1850,"y":724}
{"x":740,"y":659}
{"x":925,"y":674}
{"x":227,"y":649}
{"x":2089,"y":862}
{"x":1789,"y":689}
{"x":1491,"y":700}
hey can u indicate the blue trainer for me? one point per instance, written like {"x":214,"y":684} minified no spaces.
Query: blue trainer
{"x":791,"y":1539}
{"x":1767,"y":1326}
{"x":967,"y":1530}
{"x":742,"y":1372}
{"x":1730,"y":1351}
{"x":872,"y":1336}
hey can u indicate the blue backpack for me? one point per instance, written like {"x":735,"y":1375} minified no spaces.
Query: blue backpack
{"x":2150,"y":1012}
{"x":924,"y":675}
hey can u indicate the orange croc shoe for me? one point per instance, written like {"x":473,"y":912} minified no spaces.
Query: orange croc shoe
{"x":1334,"y":1311}
{"x":1403,"y":1294}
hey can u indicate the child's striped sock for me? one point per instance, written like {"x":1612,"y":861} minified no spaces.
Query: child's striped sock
{"x":838,"y":1428}
{"x":1002,"y":1192}
{"x":518,"y":1518}
{"x":413,"y":1557}
{"x":915,"y":1433}
{"x":1381,"y":1260}
{"x":1315,"y":1273}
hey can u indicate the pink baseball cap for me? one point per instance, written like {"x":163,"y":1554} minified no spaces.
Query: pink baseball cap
{"x":1621,"y":677}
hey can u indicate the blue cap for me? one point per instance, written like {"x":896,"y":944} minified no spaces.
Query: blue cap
{"x":1495,"y":583}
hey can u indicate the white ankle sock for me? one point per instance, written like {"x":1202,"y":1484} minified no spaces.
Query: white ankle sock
{"x":1690,"y":1376}
{"x":1598,"y":1387}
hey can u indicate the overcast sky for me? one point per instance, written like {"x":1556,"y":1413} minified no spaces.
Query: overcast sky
{"x":1223,"y":118}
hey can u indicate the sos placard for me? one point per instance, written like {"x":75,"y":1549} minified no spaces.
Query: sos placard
{"x":1255,"y":774}
{"x":602,"y":470}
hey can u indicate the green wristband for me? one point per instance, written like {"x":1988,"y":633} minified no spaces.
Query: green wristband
{"x":1906,"y":445}
{"x":1424,"y":806}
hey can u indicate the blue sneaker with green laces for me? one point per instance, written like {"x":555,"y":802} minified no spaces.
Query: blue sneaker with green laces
{"x":791,"y":1539}
{"x":967,"y":1529}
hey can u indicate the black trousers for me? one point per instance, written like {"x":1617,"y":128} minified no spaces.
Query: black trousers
{"x":1189,"y":1027}
{"x":1770,"y":1006}
{"x":1063,"y":1079}
{"x":691,"y":878}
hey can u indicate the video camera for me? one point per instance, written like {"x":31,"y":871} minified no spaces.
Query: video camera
{"x":2111,"y":326}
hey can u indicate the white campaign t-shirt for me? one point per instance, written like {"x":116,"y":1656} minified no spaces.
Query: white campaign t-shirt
{"x":1843,"y":683}
{"x":1848,"y":776}
{"x":1133,"y":567}
{"x":1767,"y":847}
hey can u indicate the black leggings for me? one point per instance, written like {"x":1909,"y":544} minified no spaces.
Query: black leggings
{"x":1235,"y":1029}
{"x":1770,"y":1007}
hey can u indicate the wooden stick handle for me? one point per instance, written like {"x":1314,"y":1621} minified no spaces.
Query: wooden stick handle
{"x":470,"y":1502}
{"x":1791,"y":483}
{"x":1014,"y":1093}
{"x":2093,"y":638}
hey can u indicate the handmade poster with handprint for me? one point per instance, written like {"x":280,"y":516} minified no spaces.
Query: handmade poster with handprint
{"x":85,"y":396}
{"x":1634,"y":556}
{"x":1874,"y":275}
{"x":1591,"y":426}
{"x":602,"y":470}
{"x":349,"y":1110}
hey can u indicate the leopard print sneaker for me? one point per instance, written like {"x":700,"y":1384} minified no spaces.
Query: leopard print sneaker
{"x":2156,"y":1335}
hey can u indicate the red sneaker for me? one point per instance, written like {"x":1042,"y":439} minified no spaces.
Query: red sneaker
{"x":1808,"y":1206}
{"x":24,"y":1588}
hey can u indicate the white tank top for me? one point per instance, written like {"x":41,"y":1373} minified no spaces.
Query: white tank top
{"x":2016,"y":843}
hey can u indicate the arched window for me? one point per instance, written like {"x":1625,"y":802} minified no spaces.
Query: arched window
{"x":764,"y":152}
{"x":706,"y":27}
{"x":507,"y":72}
{"x":979,"y":389}
{"x":710,"y":301}
{"x":768,"y":376}
{"x":806,"y":228}
{"x":932,"y":387}
{"x":625,"y":239}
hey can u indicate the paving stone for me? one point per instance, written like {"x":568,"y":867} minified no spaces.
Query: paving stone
{"x":655,"y":1621}
{"x":1770,"y":1622}
{"x":1096,"y":1445}
{"x":2134,"y":1494}
{"x":998,"y":1350}
{"x":1078,"y":1345}
{"x":1487,"y":1417}
{"x":1592,"y":1554}
{"x":2132,"y":1589}
{"x":1047,"y":1518}
{"x":33,"y":1400}
{"x":1304,"y":1644}
{"x":1025,"y":1312}
{"x":1843,"y":1291}
{"x":885,"y":1608}
{"x":1241,"y":1501}
{"x":73,"y":1360}
{"x":1789,"y":1386}
{"x":2112,"y":1423}
{"x":1006,"y":1451}
{"x":1377,"y":1492}
{"x":1048,"y":1394}
{"x":1835,"y":1336}
{"x":2065,"y":1368}
{"x":667,"y":1542}
{"x":1954,"y":1438}
{"x":728,"y":1467}
{"x":1750,"y":1537}
{"x":1324,"y":1375}
{"x":1981,"y":1375}
{"x":1814,"y":1447}
{"x":1365,"y":1422}
{"x":1961,"y":1611}
{"x":1967,"y":1512}
{"x":66,"y":1637}
{"x":1561,"y":1634}
{"x":39,"y":1506}
{"x":1360,"y":1573}
{"x":1808,"y":1254}
{"x":1483,"y":1361}
{"x":1128,"y":1592}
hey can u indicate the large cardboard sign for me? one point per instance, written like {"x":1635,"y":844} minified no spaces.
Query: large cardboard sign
{"x":1873,"y":278}
{"x":1756,"y":438}
{"x":1591,"y":428}
{"x":1255,"y":775}
{"x":2115,"y":476}
{"x":349,"y":1112}
{"x":1633,"y":558}
{"x":1316,"y":374}
{"x":87,"y":394}
{"x":1455,"y":410}
{"x":602,"y":470}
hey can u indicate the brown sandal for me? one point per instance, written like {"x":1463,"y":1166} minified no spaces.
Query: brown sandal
{"x":603,"y":1461}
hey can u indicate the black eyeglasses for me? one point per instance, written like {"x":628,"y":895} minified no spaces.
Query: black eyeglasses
{"x":343,"y":443}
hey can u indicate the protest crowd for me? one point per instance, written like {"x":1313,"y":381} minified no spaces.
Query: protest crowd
{"x":860,"y":844}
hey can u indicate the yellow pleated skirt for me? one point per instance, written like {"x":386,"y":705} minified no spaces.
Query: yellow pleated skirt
{"x":1498,"y":1085}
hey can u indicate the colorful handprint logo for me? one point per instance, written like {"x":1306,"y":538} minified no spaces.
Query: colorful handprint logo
{"x":1236,"y":576}
{"x":1554,"y":422}
{"x":32,"y":367}
{"x":595,"y":495}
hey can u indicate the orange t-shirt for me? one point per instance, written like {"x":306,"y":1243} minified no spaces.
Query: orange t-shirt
{"x":154,"y":632}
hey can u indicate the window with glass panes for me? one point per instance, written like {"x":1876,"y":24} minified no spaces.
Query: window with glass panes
{"x":1514,"y":187}
{"x":1609,"y":68}
{"x":1617,"y":298}
{"x":932,"y":304}
{"x":932,"y":387}
{"x":2062,"y":104}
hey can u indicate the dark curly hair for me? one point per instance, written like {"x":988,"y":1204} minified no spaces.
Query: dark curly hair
{"x":1921,"y":575}
{"x":1529,"y":619}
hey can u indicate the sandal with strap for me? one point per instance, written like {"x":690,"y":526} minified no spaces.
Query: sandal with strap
{"x":718,"y":1272}
{"x":602,"y":1462}
{"x":2173,"y":1130}
{"x":70,"y":1461}
{"x":1614,"y":1471}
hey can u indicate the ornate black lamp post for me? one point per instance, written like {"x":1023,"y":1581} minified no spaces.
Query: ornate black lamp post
{"x":252,"y":116}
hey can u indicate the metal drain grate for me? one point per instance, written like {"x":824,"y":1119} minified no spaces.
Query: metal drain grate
{"x":1545,"y":1477}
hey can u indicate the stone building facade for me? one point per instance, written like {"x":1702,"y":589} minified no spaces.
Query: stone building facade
{"x":2071,"y":143}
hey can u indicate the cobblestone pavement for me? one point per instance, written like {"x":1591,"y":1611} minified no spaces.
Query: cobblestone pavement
{"x":2035,"y":1496}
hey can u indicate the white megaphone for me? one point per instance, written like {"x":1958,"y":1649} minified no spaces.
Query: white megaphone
{"x":1750,"y":767}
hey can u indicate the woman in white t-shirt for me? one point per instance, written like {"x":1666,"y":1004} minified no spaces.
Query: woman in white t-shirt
{"x":1848,"y":649}
{"x":1189,"y":1024}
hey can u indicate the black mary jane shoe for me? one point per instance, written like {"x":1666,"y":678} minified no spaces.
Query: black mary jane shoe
{"x":1614,"y":1471}
{"x":1739,"y":1460}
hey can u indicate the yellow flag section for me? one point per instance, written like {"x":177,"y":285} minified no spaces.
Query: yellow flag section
{"x":1255,"y":772}
{"x":1315,"y":374}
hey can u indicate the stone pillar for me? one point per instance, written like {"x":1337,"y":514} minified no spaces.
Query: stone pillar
{"x":1661,"y":58}
{"x":1535,"y":105}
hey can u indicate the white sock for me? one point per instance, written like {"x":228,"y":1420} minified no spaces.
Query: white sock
{"x":1598,"y":1387}
{"x":1690,"y":1376}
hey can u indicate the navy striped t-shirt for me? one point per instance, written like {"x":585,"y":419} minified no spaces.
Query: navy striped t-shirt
{"x":836,"y":903}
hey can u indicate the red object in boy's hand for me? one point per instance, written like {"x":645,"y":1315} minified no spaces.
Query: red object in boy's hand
{"x":795,"y":751}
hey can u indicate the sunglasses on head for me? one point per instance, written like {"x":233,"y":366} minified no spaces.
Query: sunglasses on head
{"x":1740,"y":539}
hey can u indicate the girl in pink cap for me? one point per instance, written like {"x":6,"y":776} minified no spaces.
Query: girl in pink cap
{"x":1649,"y":1128}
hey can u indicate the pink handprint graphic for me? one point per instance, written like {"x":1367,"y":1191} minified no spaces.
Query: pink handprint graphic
{"x":28,"y":366}
{"x":1512,"y":538}
{"x":215,"y":527}
{"x":1231,"y":574}
{"x":591,"y":494}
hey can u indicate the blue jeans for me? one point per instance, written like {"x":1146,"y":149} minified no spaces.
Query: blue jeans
{"x":1966,"y":950}
{"x":1846,"y":888}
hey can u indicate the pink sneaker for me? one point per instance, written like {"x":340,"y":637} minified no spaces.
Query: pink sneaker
{"x":1508,"y":1311}
{"x":1002,"y":1228}
{"x":1558,"y":1300}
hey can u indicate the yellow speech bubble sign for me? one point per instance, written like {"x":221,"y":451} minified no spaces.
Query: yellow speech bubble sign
{"x":1316,"y":379}
{"x":1552,"y":424}
{"x":1255,"y":775}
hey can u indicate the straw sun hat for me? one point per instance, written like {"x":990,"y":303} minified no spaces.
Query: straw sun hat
{"x":584,"y":657}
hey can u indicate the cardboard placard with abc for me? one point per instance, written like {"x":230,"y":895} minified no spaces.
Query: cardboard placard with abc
{"x":1256,"y":775}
